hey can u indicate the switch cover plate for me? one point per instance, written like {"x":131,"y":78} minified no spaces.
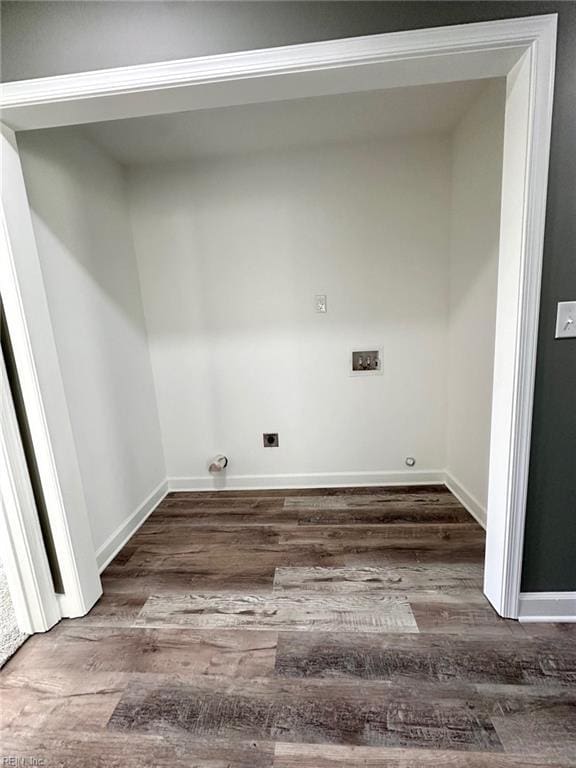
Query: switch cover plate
{"x":566,"y":320}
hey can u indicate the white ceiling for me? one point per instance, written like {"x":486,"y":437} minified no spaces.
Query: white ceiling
{"x":277,"y":125}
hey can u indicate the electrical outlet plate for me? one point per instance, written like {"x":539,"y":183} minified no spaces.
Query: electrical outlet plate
{"x":566,"y":320}
{"x":270,"y":440}
{"x":365,"y":361}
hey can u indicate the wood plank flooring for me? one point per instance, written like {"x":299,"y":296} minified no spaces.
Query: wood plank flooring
{"x":325,"y":628}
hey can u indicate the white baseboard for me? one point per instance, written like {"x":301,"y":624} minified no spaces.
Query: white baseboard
{"x":547,"y":606}
{"x":223,"y":481}
{"x":128,"y":528}
{"x":466,"y":499}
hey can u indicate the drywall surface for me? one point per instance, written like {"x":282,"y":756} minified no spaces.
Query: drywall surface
{"x":231,"y":254}
{"x":473,"y":275}
{"x":11,"y":636}
{"x":78,"y":201}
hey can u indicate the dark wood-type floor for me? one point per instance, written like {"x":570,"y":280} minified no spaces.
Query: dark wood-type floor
{"x":298,"y":629}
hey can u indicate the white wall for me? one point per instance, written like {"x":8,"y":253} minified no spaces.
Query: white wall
{"x":228,"y":253}
{"x":78,"y":201}
{"x":476,"y":188}
{"x":231,"y":253}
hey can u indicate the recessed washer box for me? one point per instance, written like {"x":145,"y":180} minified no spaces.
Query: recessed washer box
{"x":366,"y":361}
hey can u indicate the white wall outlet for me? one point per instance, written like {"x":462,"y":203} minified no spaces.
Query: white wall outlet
{"x":320,"y":302}
{"x":566,"y":320}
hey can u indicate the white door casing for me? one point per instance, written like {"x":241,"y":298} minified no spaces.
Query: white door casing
{"x":21,"y":543}
{"x":522,"y":50}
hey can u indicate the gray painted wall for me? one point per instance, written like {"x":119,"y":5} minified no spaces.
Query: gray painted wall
{"x":47,"y":38}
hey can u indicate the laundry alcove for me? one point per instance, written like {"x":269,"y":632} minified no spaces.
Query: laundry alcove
{"x":182,"y":254}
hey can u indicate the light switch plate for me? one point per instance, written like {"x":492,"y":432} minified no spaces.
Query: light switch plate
{"x":566,"y":320}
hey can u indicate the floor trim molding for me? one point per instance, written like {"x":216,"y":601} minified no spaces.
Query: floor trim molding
{"x":224,"y":482}
{"x":128,"y":528}
{"x":472,"y":504}
{"x":547,"y":606}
